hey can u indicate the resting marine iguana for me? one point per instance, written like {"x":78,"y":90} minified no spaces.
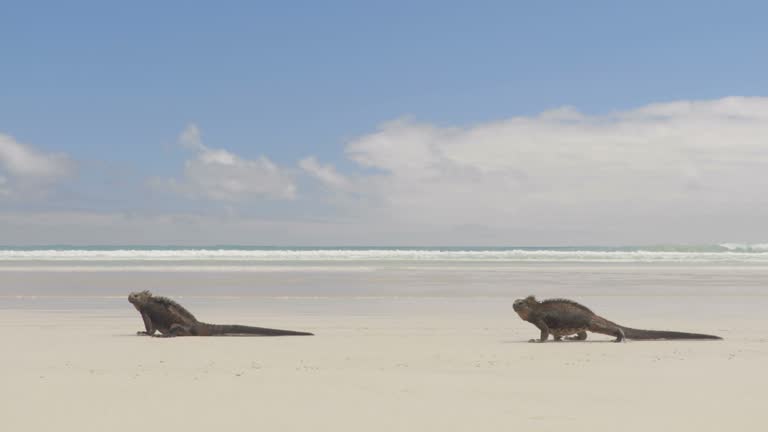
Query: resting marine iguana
{"x":561,"y":317}
{"x":171,"y":319}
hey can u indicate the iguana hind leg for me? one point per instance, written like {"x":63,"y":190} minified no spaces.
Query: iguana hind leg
{"x":608,"y":329}
{"x":181,"y":330}
{"x":580,"y":336}
{"x":178,"y":330}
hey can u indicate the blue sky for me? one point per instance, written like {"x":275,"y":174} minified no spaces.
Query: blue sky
{"x":111,"y":86}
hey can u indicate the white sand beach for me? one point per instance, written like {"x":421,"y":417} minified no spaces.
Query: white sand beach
{"x":383,"y":363}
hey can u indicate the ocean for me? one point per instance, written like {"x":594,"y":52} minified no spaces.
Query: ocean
{"x":731,"y":253}
{"x":382,"y":272}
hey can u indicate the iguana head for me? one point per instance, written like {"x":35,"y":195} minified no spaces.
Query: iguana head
{"x":523,"y":306}
{"x":139,"y":298}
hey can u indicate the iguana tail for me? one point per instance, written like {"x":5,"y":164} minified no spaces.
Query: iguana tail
{"x":599,"y":324}
{"x":637,"y":334}
{"x":233,"y":329}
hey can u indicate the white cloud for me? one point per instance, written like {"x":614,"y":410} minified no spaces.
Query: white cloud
{"x":191,"y":138}
{"x":678,"y":172}
{"x":24,"y":161}
{"x":4,"y":186}
{"x":661,"y":170}
{"x":327,"y":174}
{"x":79,"y":227}
{"x":218,"y":174}
{"x":25,"y":169}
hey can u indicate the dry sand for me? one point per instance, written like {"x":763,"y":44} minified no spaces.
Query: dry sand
{"x":386,"y":365}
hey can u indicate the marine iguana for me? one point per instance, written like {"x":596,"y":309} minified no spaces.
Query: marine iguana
{"x":171,"y":319}
{"x":561,"y":317}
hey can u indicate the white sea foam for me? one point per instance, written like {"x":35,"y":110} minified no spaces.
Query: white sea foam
{"x":746,"y":247}
{"x":732,"y":254}
{"x":164,"y":266}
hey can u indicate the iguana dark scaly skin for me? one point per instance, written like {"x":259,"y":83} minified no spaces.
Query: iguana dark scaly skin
{"x":171,"y":319}
{"x":561,"y":317}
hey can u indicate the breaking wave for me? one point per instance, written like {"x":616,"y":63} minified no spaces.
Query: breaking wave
{"x":722,"y":253}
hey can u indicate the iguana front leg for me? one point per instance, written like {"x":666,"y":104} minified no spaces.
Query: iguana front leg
{"x":544,"y":331}
{"x":148,"y":325}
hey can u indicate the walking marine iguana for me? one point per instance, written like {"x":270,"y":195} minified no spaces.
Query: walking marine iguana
{"x":560,"y":317}
{"x":171,"y":319}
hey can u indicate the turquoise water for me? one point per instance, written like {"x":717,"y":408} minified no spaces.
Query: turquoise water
{"x":238,"y":254}
{"x":723,"y":247}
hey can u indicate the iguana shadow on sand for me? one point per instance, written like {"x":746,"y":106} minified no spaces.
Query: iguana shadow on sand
{"x":561,"y":317}
{"x":171,"y":319}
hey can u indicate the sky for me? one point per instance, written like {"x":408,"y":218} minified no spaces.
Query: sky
{"x":383,"y":123}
